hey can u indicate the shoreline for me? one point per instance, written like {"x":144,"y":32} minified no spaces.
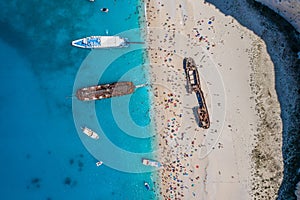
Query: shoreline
{"x":187,"y":173}
{"x":286,"y":9}
{"x":146,"y":63}
{"x":288,"y":101}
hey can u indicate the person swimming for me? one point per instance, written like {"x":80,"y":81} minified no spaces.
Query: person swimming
{"x":104,"y":10}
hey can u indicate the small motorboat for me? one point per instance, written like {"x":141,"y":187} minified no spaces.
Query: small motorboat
{"x":153,"y":163}
{"x":89,"y":132}
{"x":104,"y":10}
{"x":147,"y":186}
{"x":99,"y":163}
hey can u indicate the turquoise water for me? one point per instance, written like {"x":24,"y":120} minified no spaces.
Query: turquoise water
{"x":41,"y":153}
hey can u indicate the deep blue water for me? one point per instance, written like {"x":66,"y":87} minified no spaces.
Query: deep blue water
{"x":42,"y":155}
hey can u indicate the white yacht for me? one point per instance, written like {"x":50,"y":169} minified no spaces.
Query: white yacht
{"x":90,"y":133}
{"x":93,"y":42}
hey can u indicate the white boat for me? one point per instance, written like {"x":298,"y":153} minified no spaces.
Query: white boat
{"x":104,"y":10}
{"x":152,"y":163}
{"x":90,"y":133}
{"x":94,"y":42}
{"x":147,"y":186}
{"x":99,"y":163}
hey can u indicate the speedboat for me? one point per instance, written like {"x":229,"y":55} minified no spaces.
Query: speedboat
{"x":90,"y":133}
{"x":147,"y":186}
{"x":99,"y":163}
{"x":104,"y":10}
{"x":152,"y":163}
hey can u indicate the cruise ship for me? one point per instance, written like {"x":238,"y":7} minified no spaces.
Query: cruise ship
{"x":104,"y":91}
{"x":94,"y":42}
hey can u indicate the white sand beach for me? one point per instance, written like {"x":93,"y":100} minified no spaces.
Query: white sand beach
{"x":237,"y":78}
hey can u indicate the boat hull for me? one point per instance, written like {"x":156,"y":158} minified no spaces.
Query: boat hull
{"x":99,"y":92}
{"x":100,"y":42}
{"x":152,"y":163}
{"x":194,"y":85}
{"x":89,"y":132}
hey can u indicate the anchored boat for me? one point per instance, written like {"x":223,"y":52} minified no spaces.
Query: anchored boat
{"x":99,"y":163}
{"x":93,"y":42}
{"x":147,"y":186}
{"x":152,"y":163}
{"x":98,"y":92}
{"x":90,"y":133}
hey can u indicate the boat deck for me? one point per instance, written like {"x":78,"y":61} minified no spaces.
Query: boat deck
{"x":194,"y":85}
{"x":98,"y":92}
{"x":89,"y":132}
{"x":100,"y":42}
{"x":152,"y":163}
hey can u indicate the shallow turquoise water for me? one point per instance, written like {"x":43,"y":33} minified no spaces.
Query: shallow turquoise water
{"x":41,"y":154}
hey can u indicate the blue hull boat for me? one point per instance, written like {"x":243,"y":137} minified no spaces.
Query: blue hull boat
{"x":93,"y":42}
